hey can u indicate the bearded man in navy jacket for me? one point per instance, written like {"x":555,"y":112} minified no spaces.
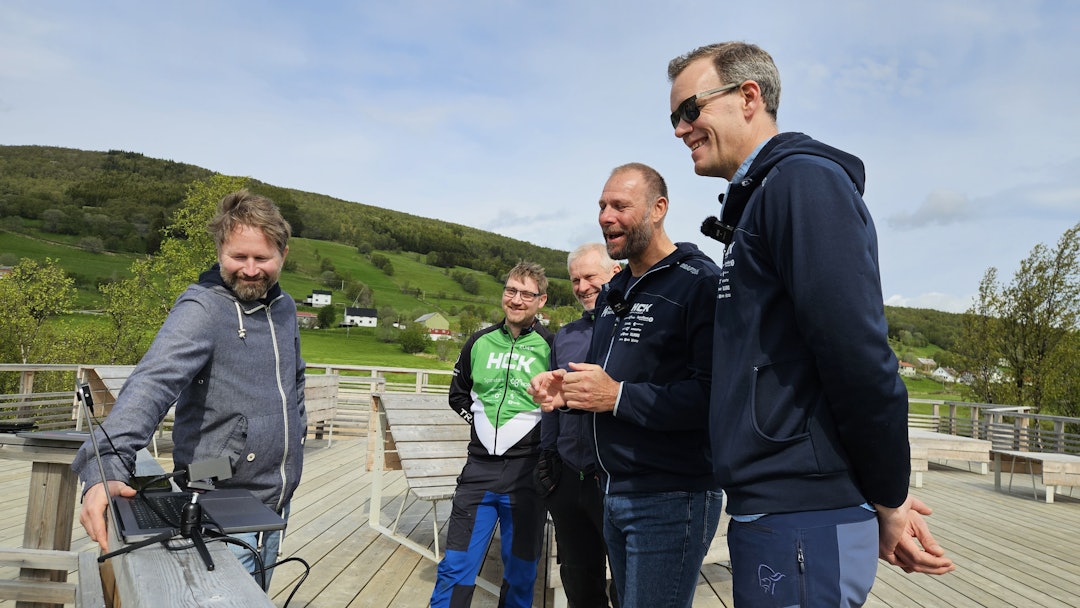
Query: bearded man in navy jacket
{"x":646,"y":381}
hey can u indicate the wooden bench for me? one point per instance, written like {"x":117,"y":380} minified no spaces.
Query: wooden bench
{"x":320,"y":401}
{"x":87,"y":593}
{"x":421,"y":436}
{"x":1056,"y":469}
{"x":945,"y":447}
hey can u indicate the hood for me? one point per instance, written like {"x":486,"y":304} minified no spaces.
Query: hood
{"x":778,"y":148}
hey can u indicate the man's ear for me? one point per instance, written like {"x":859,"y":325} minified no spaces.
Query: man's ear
{"x":543,"y":300}
{"x":615,"y":270}
{"x":659,"y":209}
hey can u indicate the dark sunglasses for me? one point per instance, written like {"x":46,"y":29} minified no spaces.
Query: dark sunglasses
{"x":689,"y":110}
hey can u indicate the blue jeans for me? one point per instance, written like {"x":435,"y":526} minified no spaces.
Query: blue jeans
{"x":656,"y":542}
{"x":270,"y":549}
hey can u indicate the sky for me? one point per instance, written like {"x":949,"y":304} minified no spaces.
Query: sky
{"x":508,"y":116}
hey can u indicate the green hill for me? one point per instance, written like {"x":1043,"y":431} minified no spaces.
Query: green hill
{"x":118,"y":201}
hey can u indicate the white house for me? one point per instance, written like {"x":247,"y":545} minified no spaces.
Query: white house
{"x":944,"y":374}
{"x":907,"y":369}
{"x":318,"y":298}
{"x":361,"y":317}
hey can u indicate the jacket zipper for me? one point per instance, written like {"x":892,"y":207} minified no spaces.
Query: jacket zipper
{"x":502,"y":399}
{"x":607,"y":357}
{"x":284,"y":404}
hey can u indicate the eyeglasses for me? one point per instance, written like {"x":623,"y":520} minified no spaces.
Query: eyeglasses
{"x":689,"y":111}
{"x":526,"y":296}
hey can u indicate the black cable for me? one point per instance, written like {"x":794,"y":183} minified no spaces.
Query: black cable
{"x":261,"y":567}
{"x":303,"y":577}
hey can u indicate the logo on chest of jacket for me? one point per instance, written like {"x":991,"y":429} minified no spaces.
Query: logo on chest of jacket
{"x":511,"y":361}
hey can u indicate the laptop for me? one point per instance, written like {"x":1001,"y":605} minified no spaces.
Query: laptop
{"x":68,"y":436}
{"x":228,"y":511}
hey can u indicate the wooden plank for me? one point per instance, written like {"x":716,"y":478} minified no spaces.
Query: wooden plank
{"x":428,"y":432}
{"x":430,"y":449}
{"x":423,"y":417}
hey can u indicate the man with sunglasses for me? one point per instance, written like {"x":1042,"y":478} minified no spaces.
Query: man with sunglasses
{"x":489,"y":391}
{"x":646,"y":381}
{"x":808,"y":415}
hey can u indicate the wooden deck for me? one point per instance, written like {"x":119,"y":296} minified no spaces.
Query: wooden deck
{"x":1010,"y":549}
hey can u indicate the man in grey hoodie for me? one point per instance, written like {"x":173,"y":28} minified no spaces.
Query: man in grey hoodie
{"x":228,"y":356}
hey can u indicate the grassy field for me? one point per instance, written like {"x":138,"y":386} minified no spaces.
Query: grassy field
{"x":358,"y":346}
{"x":88,"y":269}
{"x":438,"y":291}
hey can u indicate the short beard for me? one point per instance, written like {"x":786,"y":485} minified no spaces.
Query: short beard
{"x":247,"y":291}
{"x":636,"y":242}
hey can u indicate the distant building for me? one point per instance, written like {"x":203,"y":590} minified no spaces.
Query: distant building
{"x":361,"y":317}
{"x":4,"y":271}
{"x":307,"y":320}
{"x":907,"y":370}
{"x":944,"y":374}
{"x":318,"y":298}
{"x":437,"y":325}
{"x":926,"y":364}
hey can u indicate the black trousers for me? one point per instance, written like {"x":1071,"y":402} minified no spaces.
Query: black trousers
{"x":576,"y":507}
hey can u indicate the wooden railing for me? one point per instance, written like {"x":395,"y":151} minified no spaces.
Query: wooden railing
{"x":50,"y":409}
{"x":1008,"y":427}
{"x":356,"y":383}
{"x":54,"y":409}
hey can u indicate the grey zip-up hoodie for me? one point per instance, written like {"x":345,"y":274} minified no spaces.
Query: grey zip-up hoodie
{"x":234,"y":370}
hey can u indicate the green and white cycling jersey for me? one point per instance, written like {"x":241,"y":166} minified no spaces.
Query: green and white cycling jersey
{"x":489,"y":389}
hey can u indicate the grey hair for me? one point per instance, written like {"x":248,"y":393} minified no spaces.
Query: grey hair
{"x":582,"y":250}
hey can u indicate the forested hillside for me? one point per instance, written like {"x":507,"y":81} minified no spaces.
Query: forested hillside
{"x":119,"y":201}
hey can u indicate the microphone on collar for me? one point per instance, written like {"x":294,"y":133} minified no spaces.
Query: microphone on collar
{"x":617,"y":302}
{"x":715,"y":229}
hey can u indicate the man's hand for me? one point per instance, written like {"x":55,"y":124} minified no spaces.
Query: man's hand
{"x":546,"y":389}
{"x":92,"y":514}
{"x":588,"y":387}
{"x":898,"y":530}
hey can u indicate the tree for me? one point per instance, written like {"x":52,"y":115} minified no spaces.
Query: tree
{"x":138,"y":306}
{"x":1029,"y":324}
{"x":469,"y":323}
{"x":414,"y":338}
{"x":327,"y":317}
{"x":29,"y":296}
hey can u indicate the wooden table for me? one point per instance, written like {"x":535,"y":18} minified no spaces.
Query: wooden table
{"x":1057,"y":470}
{"x":50,"y":507}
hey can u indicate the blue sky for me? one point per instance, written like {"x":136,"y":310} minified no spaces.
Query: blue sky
{"x":508,"y":116}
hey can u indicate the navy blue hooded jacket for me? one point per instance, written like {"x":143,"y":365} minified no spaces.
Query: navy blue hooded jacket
{"x":571,"y":432}
{"x":808,"y":411}
{"x":656,"y":338}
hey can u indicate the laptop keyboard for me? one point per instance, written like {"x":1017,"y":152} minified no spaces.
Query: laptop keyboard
{"x":168,"y":505}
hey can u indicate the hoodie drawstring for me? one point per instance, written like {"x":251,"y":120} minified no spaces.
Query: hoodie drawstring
{"x":240,"y":319}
